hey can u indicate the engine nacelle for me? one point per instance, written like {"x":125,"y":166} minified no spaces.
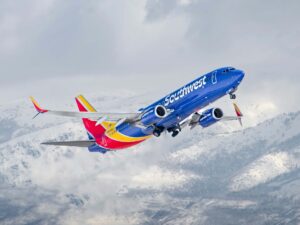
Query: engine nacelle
{"x":210,"y":117}
{"x":154,"y":115}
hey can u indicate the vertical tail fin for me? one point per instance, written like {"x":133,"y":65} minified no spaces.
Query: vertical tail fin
{"x":94,"y":131}
{"x":84,"y":105}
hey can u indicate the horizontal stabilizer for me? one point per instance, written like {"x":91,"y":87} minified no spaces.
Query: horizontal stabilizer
{"x":71,"y":143}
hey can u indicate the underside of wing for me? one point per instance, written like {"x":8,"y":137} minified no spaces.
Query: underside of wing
{"x":70,"y":143}
{"x":129,"y":117}
{"x":96,"y":115}
{"x":229,"y":118}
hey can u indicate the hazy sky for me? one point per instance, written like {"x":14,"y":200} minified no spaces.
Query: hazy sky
{"x":57,"y":48}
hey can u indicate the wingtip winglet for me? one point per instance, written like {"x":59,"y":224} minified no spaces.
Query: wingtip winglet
{"x":237,"y":110}
{"x":37,"y":106}
{"x":239,"y":114}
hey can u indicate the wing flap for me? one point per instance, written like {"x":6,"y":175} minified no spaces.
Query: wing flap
{"x":229,"y":118}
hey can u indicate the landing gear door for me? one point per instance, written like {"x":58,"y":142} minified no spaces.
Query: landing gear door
{"x":214,"y":77}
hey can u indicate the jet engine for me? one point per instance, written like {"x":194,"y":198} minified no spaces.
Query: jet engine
{"x":210,"y":117}
{"x":154,"y":115}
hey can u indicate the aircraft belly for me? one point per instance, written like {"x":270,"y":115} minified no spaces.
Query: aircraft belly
{"x":183,"y":112}
{"x":133,"y":131}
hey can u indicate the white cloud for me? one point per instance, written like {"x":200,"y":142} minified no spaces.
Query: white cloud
{"x":158,"y":178}
{"x":112,"y":42}
{"x":184,"y":2}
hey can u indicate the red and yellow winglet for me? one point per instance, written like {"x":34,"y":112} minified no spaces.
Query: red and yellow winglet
{"x":37,"y":107}
{"x":238,"y":112}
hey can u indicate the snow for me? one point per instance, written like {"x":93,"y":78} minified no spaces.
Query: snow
{"x":166,"y":180}
{"x":158,"y":178}
{"x":264,"y":169}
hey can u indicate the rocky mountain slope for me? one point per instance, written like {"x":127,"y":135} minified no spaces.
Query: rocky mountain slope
{"x":211,"y":176}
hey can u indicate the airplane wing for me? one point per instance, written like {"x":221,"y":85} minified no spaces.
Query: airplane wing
{"x":128,"y":117}
{"x":238,"y":116}
{"x":70,"y":143}
{"x":193,"y":120}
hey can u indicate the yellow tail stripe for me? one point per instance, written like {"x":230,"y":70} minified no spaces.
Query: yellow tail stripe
{"x":112,"y":133}
{"x":86,"y":104}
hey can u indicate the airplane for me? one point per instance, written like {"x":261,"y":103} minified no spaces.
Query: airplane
{"x":177,"y":110}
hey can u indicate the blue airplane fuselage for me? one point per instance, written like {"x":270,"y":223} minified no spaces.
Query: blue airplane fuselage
{"x":198,"y":94}
{"x":181,"y":104}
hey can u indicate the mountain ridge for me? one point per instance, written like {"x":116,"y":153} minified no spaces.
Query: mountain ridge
{"x":205,"y":173}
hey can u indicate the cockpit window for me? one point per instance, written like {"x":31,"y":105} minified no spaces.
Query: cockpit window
{"x":228,"y":69}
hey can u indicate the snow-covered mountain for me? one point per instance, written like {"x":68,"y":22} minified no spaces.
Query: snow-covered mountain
{"x":214,"y":176}
{"x":247,"y":177}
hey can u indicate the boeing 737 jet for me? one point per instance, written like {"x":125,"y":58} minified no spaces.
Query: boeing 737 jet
{"x":179,"y":109}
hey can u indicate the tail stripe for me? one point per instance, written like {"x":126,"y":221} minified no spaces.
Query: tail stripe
{"x":94,"y":131}
{"x":88,"y":107}
{"x":114,"y":134}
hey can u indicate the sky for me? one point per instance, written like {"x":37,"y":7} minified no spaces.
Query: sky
{"x":57,"y":49}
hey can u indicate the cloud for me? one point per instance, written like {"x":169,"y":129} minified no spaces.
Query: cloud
{"x":42,"y":207}
{"x":157,"y":10}
{"x":157,"y":178}
{"x":142,"y":42}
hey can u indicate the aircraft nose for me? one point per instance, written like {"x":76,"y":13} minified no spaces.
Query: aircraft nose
{"x":239,"y":75}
